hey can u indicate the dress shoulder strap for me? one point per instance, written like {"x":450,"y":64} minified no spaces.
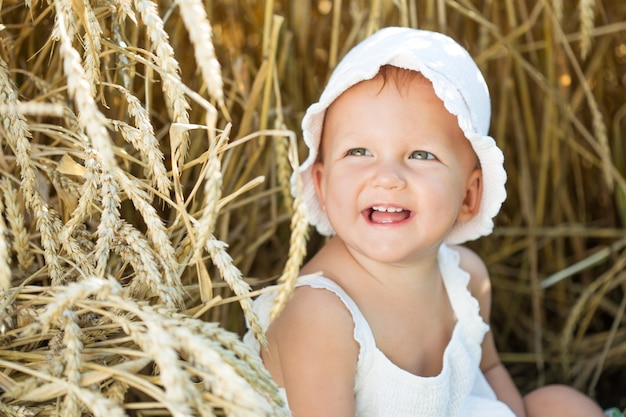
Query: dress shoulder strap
{"x":464,"y":304}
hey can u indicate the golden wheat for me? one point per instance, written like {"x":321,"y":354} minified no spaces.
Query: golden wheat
{"x":143,"y":139}
{"x":297,"y":242}
{"x":200,"y":33}
{"x":15,"y":218}
{"x":586,"y":12}
{"x":166,"y":62}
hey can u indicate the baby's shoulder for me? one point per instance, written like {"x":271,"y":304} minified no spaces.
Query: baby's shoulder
{"x":314,"y":311}
{"x":311,"y":337}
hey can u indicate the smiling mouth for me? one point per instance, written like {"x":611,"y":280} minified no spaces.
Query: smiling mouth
{"x":387,"y":215}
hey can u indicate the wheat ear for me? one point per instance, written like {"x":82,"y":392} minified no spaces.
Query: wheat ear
{"x":72,"y":360}
{"x":156,"y":232}
{"x":21,"y":237}
{"x":19,"y":410}
{"x":109,"y":220}
{"x":17,"y":135}
{"x":144,"y":140}
{"x":284,"y":169}
{"x":233,"y":277}
{"x":133,"y":248}
{"x":220,"y":377}
{"x":65,"y":12}
{"x":91,"y":40}
{"x":297,"y":241}
{"x":200,"y":33}
{"x":181,"y":395}
{"x":164,"y":58}
{"x":97,"y":403}
{"x":239,"y":355}
{"x":123,"y":9}
{"x":586,"y":12}
{"x":212,"y":194}
{"x":90,"y":119}
{"x":87,"y":201}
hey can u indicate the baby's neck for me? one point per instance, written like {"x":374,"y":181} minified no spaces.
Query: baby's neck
{"x":358,"y":274}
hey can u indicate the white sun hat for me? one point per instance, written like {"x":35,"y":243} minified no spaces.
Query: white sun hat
{"x":457,"y":81}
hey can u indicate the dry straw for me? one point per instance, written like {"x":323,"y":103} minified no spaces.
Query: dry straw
{"x":144,"y":195}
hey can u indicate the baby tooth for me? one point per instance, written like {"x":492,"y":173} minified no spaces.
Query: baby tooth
{"x":387,"y":209}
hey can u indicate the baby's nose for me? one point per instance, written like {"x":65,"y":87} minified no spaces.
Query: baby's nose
{"x":388,"y":176}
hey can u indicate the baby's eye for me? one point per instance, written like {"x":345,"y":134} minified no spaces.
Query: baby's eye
{"x":358,"y":152}
{"x":421,"y":155}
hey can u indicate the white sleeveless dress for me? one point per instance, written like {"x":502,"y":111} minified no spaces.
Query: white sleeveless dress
{"x":384,"y":389}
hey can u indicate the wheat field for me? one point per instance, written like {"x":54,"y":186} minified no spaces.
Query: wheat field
{"x":146,"y":150}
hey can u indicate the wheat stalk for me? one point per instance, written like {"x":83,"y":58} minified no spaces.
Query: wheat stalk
{"x":582,"y":303}
{"x":5,"y":269}
{"x":557,"y":6}
{"x":599,"y":127}
{"x":33,"y":108}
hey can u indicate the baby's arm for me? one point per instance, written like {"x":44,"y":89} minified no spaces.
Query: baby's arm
{"x":495,"y":372}
{"x":313,"y":354}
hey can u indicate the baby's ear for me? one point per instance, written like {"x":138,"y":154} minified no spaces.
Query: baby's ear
{"x":317,"y":172}
{"x":473,"y":194}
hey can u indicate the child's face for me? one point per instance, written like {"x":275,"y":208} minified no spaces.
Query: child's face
{"x":396,"y":171}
